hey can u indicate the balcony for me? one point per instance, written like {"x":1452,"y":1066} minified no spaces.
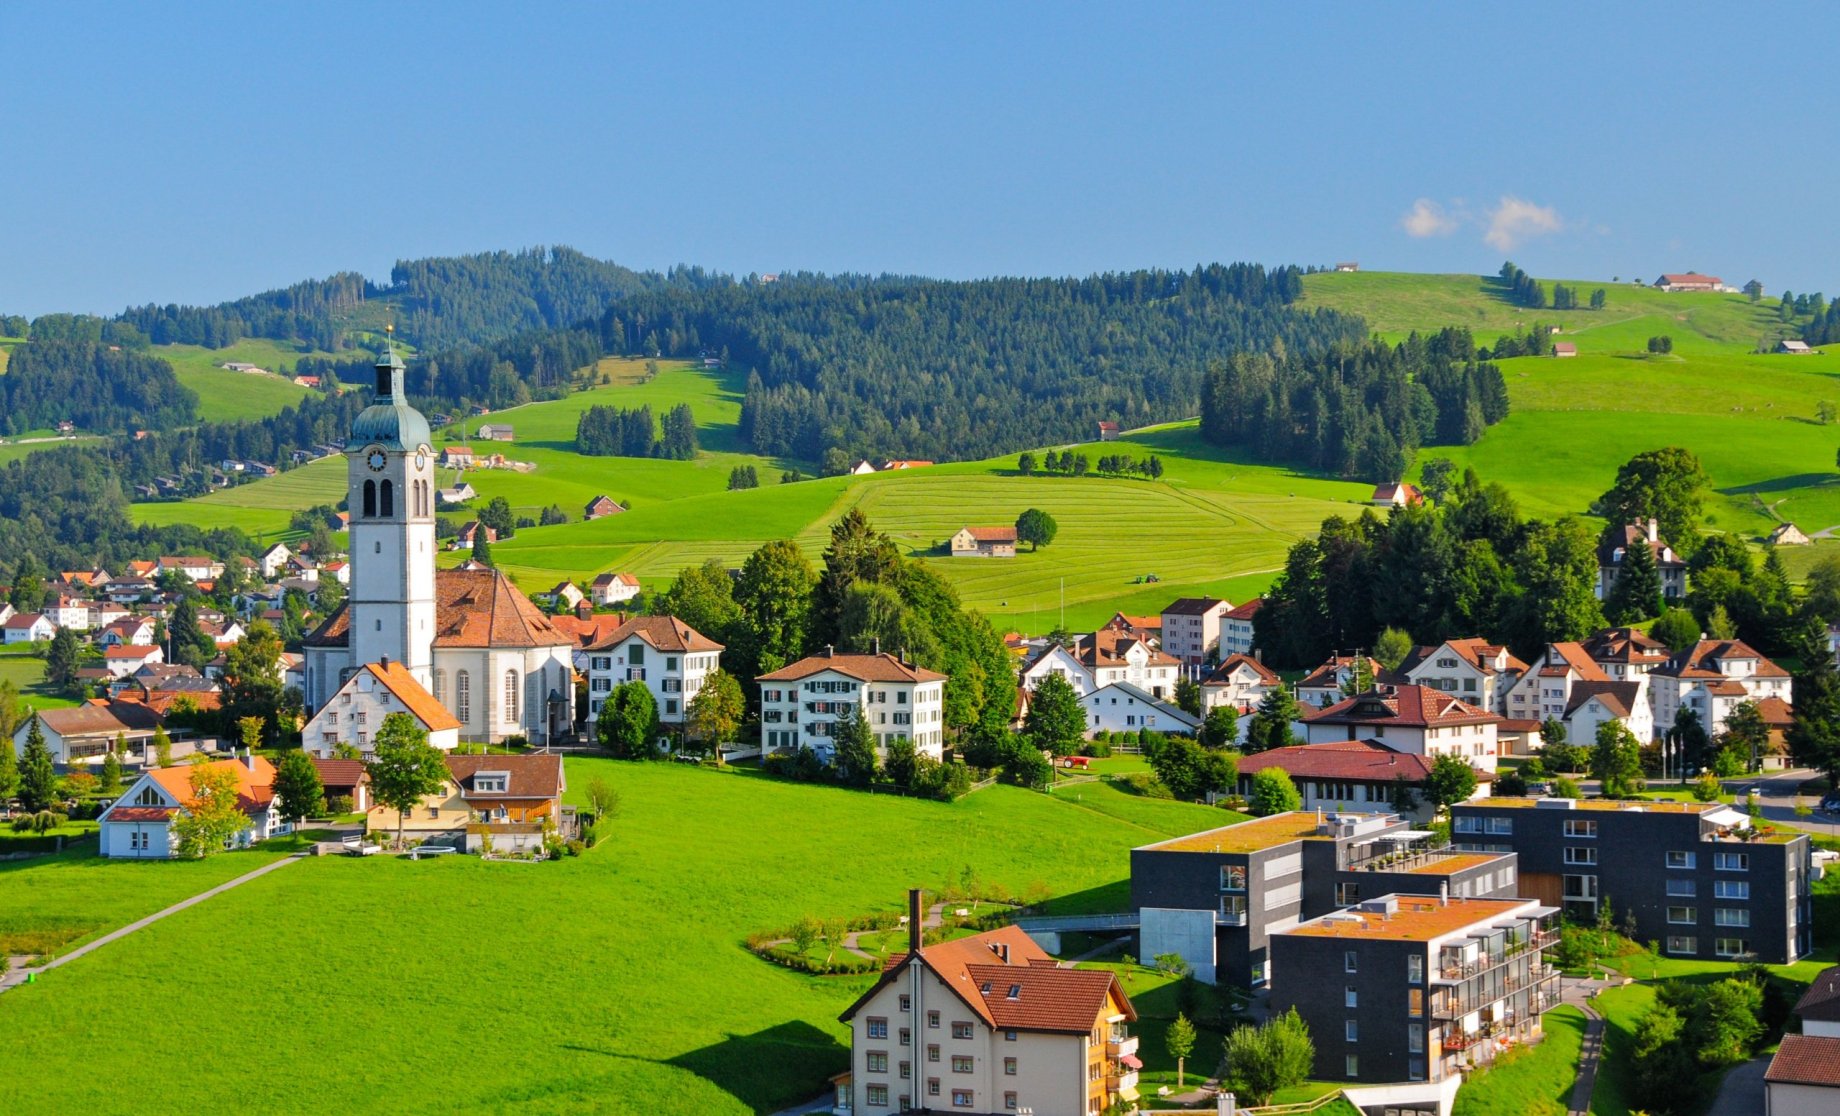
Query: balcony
{"x":1450,"y":971}
{"x":1118,"y":1082}
{"x":1120,"y":1046}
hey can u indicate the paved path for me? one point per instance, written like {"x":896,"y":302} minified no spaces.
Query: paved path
{"x":19,"y":975}
{"x":1741,"y":1094}
{"x":1588,"y":1056}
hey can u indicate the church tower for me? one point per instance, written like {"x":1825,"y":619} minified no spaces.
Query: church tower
{"x":390,"y":470}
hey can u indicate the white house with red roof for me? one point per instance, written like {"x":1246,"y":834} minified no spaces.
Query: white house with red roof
{"x":358,"y":708}
{"x":1331,"y":682}
{"x":1241,"y":682}
{"x":1122,"y":707}
{"x":1712,"y":678}
{"x":1349,"y":775}
{"x":1545,"y":689}
{"x":1396,"y":494}
{"x":140,"y":823}
{"x":800,"y":704}
{"x":1415,"y":719}
{"x":133,"y":629}
{"x":1625,"y":653}
{"x":611,"y":589}
{"x":124,"y":659}
{"x":27,"y":627}
{"x":666,"y":654}
{"x":984,"y":542}
{"x":1476,"y":670}
{"x":1689,"y":281}
{"x":985,"y":1024}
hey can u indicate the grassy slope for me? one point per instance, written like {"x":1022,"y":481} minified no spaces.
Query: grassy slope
{"x":578,"y":986}
{"x":26,"y":670}
{"x":225,"y":396}
{"x":1533,"y":1081}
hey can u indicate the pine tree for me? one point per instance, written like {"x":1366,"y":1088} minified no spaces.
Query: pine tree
{"x":1636,"y":594}
{"x":482,"y":545}
{"x":37,"y":777}
{"x":61,"y":660}
{"x":1270,"y":726}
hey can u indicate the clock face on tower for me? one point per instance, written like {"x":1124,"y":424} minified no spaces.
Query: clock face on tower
{"x":377,"y":461}
{"x":421,"y":458}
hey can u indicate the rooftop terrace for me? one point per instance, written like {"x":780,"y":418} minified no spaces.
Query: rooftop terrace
{"x":1248,"y":836}
{"x":1415,"y":918}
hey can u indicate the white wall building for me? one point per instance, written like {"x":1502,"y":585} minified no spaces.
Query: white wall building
{"x":800,"y":704}
{"x":139,"y":824}
{"x":666,"y":654}
{"x":1240,"y":681}
{"x":1191,"y":628}
{"x":357,"y":710}
{"x":1712,"y":678}
{"x":1479,"y":672}
{"x":1236,"y":628}
{"x":1122,"y":707}
{"x":1408,"y":719}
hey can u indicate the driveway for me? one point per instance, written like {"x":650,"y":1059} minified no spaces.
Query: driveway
{"x":1741,"y":1094}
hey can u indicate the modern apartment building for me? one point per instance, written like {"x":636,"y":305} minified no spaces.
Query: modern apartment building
{"x":1217,"y":897}
{"x":1699,"y":878}
{"x":1417,"y":987}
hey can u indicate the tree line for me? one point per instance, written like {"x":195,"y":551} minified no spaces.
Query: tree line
{"x":97,"y":386}
{"x":1525,"y":290}
{"x":607,"y":431}
{"x":1071,"y":464}
{"x":1359,"y":410}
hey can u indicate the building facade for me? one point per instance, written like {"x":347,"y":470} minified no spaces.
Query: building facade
{"x":800,"y":704}
{"x":666,"y":654}
{"x":1191,"y":630}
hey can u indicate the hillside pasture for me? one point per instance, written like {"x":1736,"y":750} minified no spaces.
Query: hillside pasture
{"x":261,"y":507}
{"x":21,"y":664}
{"x":225,"y":396}
{"x":607,"y":983}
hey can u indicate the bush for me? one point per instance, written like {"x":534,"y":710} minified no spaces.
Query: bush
{"x":1097,"y":749}
{"x":575,"y":848}
{"x":590,"y":834}
{"x":1142,"y":783}
{"x":339,"y":804}
{"x":1510,"y":783}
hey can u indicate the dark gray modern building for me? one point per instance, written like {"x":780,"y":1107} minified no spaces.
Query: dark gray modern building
{"x":1417,"y":987}
{"x":1216,"y":897}
{"x":1699,"y":878}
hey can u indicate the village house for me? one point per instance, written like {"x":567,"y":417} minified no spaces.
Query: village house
{"x":1625,"y":653}
{"x":669,"y":656}
{"x":1479,"y":671}
{"x":1545,"y":689}
{"x":345,"y":778}
{"x":497,"y":432}
{"x":600,"y":508}
{"x":140,"y":823}
{"x":1106,"y":656}
{"x":469,"y":533}
{"x":1241,"y":682}
{"x":1414,"y":719}
{"x":1191,"y":629}
{"x":357,"y":709}
{"x":28,"y":627}
{"x":84,"y":734}
{"x":1123,"y":707}
{"x":70,"y":612}
{"x":457,"y":457}
{"x":1350,"y":775}
{"x":1148,"y":627}
{"x":1689,"y":281}
{"x":1336,"y":678}
{"x":862,"y":468}
{"x":1787,"y":534}
{"x":196,"y":568}
{"x":1671,"y":567}
{"x":455,"y":494}
{"x":800,"y":704}
{"x":1563,"y":349}
{"x":1712,"y":678}
{"x":124,"y":659}
{"x":988,"y":1023}
{"x":984,"y":542}
{"x":1793,"y":347}
{"x":1591,"y":704}
{"x":611,"y":589}
{"x":565,"y":594}
{"x":585,"y":628}
{"x":1108,"y":431}
{"x":897,"y":463}
{"x":134,"y":629}
{"x":1803,"y":1079}
{"x":1236,"y":628}
{"x":274,"y":559}
{"x":1396,"y":494}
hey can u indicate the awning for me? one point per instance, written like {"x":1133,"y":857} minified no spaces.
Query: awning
{"x":1408,"y":835}
{"x":1132,"y":1060}
{"x":1728,"y":816}
{"x":1127,"y":1094}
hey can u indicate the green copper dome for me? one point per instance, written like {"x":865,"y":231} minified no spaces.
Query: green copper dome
{"x":389,"y":421}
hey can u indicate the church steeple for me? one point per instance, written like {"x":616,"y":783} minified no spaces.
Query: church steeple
{"x":390,"y":370}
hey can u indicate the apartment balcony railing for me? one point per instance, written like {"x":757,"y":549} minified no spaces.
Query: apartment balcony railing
{"x":1120,"y":1046}
{"x":1449,"y":971}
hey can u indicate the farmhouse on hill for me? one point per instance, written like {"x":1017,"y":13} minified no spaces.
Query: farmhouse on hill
{"x":1396,"y":495}
{"x":601,"y":507}
{"x":862,"y":468}
{"x":1564,"y":349}
{"x":984,"y":542}
{"x":1787,"y":534}
{"x":1689,"y":281}
{"x":1348,"y":265}
{"x":1108,"y":431}
{"x":497,"y":432}
{"x":1793,"y":347}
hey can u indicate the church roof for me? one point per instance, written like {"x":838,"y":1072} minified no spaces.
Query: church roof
{"x":472,"y":608}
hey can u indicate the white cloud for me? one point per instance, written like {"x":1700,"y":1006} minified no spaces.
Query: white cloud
{"x":1428,"y":218}
{"x":1515,"y":220}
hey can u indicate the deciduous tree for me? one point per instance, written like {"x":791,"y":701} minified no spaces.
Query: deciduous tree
{"x":211,"y":817}
{"x":404,"y":767}
{"x":1037,"y":528}
{"x":628,"y":724}
{"x":298,"y":786}
{"x":1616,"y":760}
{"x":1272,"y":792}
{"x":1451,"y":780}
{"x":1180,"y":1040}
{"x":1221,"y":728}
{"x":1056,"y":721}
{"x":1667,"y":485}
{"x":1264,"y":1059}
{"x":1270,"y":726}
{"x":715,"y":712}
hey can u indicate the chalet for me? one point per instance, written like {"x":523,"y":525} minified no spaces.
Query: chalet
{"x":1610,"y":554}
{"x":1396,"y":495}
{"x":345,"y":778}
{"x":892,"y":465}
{"x":601,"y":507}
{"x":28,"y":627}
{"x":1689,"y":281}
{"x":1787,"y":534}
{"x":1562,"y":349}
{"x":610,"y":589}
{"x":984,"y":542}
{"x":140,"y":823}
{"x":1793,"y":348}
{"x":1415,"y":719}
{"x":497,"y":432}
{"x":1108,"y":431}
{"x":1020,"y":1033}
{"x":1240,"y":681}
{"x":862,"y":468}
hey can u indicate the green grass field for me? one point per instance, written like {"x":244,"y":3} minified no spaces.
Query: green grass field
{"x":1215,"y":523}
{"x":26,"y":670}
{"x":608,"y":983}
{"x":1532,"y":1081}
{"x":225,"y":396}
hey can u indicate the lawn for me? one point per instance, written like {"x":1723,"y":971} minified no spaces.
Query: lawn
{"x":225,"y":396}
{"x":606,"y":983}
{"x":21,"y":665}
{"x":1615,"y":1091}
{"x":1533,"y":1080}
{"x":262,"y":507}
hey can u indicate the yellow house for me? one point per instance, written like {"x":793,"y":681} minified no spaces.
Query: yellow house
{"x":514,"y":797}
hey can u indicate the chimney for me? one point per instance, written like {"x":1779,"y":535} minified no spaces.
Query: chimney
{"x":829,"y":650}
{"x":1444,"y":894}
{"x":877,"y":643}
{"x":384,"y":663}
{"x":1654,"y":529}
{"x":249,"y":759}
{"x":583,"y":611}
{"x":914,"y":915}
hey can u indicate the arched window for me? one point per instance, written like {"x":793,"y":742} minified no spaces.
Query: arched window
{"x":463,"y":696}
{"x":389,"y":499}
{"x":440,"y":686}
{"x":511,"y":695}
{"x":370,"y":499}
{"x":422,"y":504}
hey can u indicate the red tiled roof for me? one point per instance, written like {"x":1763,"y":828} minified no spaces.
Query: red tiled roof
{"x":415,"y":697}
{"x":588,"y":630}
{"x":1366,"y":761}
{"x":1222,"y":673}
{"x":531,"y":776}
{"x":1690,"y":277}
{"x":1692,"y":663}
{"x":473,"y":608}
{"x":1776,"y":712}
{"x":1624,"y":645}
{"x":1620,"y":698}
{"x":1419,"y":706}
{"x":1246,"y":611}
{"x":1107,"y":647}
{"x":1806,"y":1060}
{"x":141,"y":813}
{"x":863,"y":668}
{"x":666,"y":633}
{"x":1328,"y":674}
{"x":337,"y":773}
{"x":255,"y":780}
{"x":992,"y":534}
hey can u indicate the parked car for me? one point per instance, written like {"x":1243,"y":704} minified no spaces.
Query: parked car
{"x":1539,"y":790}
{"x":1831,"y":804}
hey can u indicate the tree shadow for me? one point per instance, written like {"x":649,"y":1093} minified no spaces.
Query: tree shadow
{"x":1784,"y":484}
{"x":755,"y":1068}
{"x":1111,"y":898}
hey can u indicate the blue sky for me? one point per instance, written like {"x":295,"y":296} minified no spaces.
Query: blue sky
{"x":194,"y":153}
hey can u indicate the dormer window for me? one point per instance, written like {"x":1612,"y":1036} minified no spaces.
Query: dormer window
{"x":491,"y":782}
